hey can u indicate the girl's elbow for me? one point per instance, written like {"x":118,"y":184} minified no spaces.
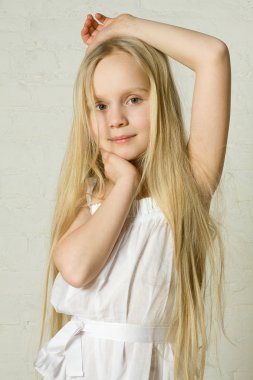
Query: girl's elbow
{"x":69,"y":274}
{"x":220,"y":50}
{"x":73,"y":280}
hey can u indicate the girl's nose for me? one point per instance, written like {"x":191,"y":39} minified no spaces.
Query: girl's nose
{"x":117,"y":117}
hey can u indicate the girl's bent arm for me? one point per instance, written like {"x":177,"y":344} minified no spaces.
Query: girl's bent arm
{"x":82,"y":254}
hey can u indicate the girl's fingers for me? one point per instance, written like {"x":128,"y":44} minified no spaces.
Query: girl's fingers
{"x":92,"y":27}
{"x":95,"y":23}
{"x":85,"y":30}
{"x":100,"y":17}
{"x":91,"y":30}
{"x":88,"y":22}
{"x":85,"y":33}
{"x":92,"y":21}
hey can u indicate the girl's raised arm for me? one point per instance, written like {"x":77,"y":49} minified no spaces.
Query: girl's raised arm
{"x":209,"y":58}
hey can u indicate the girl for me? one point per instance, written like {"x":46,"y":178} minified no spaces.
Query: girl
{"x":132,"y":234}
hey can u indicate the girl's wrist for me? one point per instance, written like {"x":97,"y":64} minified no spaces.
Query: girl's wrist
{"x":126,"y":24}
{"x":131,"y":180}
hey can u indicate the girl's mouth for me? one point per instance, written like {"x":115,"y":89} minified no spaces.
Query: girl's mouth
{"x":123,"y":140}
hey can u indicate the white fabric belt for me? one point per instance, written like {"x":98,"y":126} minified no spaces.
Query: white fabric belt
{"x":53,"y":354}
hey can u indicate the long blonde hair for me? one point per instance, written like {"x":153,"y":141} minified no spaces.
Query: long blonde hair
{"x":167,"y":174}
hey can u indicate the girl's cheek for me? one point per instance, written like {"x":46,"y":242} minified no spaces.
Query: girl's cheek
{"x":95,"y":134}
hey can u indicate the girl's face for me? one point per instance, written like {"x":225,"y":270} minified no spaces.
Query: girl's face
{"x":121,"y":91}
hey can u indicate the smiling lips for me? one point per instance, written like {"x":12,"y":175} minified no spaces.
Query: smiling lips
{"x":121,"y":139}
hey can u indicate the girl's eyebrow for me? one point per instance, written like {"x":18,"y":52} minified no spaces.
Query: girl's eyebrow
{"x":125,"y":92}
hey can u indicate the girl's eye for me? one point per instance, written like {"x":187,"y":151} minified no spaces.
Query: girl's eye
{"x":135,"y":98}
{"x":101,"y":104}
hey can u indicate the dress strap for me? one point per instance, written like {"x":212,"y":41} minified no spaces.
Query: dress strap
{"x":91,"y":184}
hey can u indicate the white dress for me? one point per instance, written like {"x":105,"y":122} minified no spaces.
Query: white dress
{"x":118,"y":324}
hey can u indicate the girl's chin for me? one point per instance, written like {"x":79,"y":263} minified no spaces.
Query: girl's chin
{"x":129,"y":158}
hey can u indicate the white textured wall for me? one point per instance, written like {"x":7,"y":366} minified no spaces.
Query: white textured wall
{"x":40,"y":51}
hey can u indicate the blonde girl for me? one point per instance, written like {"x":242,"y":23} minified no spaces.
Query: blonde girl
{"x":133,"y":239}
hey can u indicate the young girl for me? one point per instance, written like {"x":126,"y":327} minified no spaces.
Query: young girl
{"x":132,"y":234}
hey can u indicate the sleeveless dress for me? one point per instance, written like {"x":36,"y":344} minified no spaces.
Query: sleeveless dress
{"x":118,"y":326}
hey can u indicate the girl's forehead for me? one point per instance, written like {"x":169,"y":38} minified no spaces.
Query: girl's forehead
{"x":118,"y":71}
{"x":118,"y":64}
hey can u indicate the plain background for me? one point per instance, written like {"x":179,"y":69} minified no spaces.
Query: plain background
{"x":40,"y":52}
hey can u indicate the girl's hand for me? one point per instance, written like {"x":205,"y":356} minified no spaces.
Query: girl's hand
{"x":117,"y":167}
{"x":94,"y":33}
